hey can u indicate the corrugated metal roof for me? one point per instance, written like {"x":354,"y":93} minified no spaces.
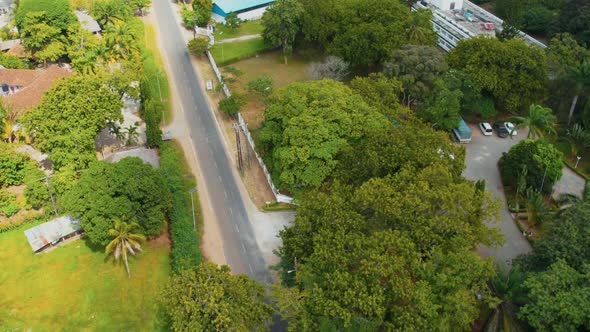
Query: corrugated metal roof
{"x":87,"y":22}
{"x":229,"y":6}
{"x":464,"y":130}
{"x":51,"y":231}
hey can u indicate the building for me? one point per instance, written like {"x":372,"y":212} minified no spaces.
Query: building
{"x":22,"y":89}
{"x":87,"y":22}
{"x":52,"y":232}
{"x":246,"y":9}
{"x":454,"y":20}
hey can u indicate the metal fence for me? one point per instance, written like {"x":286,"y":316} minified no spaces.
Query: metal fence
{"x":244,"y":127}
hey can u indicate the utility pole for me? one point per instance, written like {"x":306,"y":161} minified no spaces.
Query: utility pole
{"x":50,"y":195}
{"x":192,"y":191}
{"x":239,"y":147}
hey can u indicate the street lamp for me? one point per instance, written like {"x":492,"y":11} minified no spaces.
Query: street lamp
{"x":577,"y":161}
{"x":192,"y":191}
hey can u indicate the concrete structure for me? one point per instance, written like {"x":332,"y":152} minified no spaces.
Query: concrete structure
{"x":246,"y":9}
{"x":87,"y":22}
{"x":454,"y":20}
{"x":52,"y":232}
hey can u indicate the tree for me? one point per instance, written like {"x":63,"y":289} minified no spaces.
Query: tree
{"x":121,"y":41}
{"x":210,"y":298}
{"x":232,"y":21}
{"x":540,"y":121}
{"x":128,"y":189}
{"x":563,"y":53}
{"x":40,"y":37}
{"x":574,"y":19}
{"x":111,"y":12}
{"x":307,"y":126}
{"x":198,"y":46}
{"x":262,"y":86}
{"x":580,"y":75}
{"x":190,"y":18}
{"x":14,"y":166}
{"x":507,"y":286}
{"x":231,"y":105}
{"x":537,"y":210}
{"x":417,"y":67}
{"x":507,"y":32}
{"x":70,"y":116}
{"x":543,"y":162}
{"x":332,"y":67}
{"x":379,"y":91}
{"x":124,"y":241}
{"x":140,"y":5}
{"x":497,"y":67}
{"x":419,"y":30}
{"x":442,"y":108}
{"x":132,"y":134}
{"x":536,"y":19}
{"x":57,"y":13}
{"x":559,"y":299}
{"x":203,"y":9}
{"x":282,"y":23}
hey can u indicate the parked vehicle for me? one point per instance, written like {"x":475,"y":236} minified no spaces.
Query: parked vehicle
{"x":501,"y":129}
{"x":486,"y":128}
{"x":511,"y":128}
{"x":463,"y":132}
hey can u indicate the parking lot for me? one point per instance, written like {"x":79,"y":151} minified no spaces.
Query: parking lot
{"x":481,"y":160}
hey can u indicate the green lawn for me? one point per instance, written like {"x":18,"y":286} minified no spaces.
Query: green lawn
{"x":74,"y":288}
{"x":232,"y":52}
{"x":247,"y":28}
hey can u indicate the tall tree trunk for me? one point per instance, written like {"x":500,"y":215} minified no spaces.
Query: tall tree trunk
{"x":285,"y":53}
{"x":126,"y":263}
{"x":571,"y":114}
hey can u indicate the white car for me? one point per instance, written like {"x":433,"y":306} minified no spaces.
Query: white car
{"x":486,"y":128}
{"x":511,"y":128}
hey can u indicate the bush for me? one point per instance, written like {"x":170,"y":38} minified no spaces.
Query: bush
{"x":198,"y":46}
{"x":151,"y":110}
{"x":13,"y":166}
{"x":484,"y":107}
{"x":231,"y":105}
{"x":543,"y":162}
{"x":262,"y":86}
{"x":332,"y":67}
{"x":13,"y":62}
{"x":8,"y":206}
{"x":13,"y":223}
{"x":36,"y":191}
{"x":536,"y":19}
{"x":185,"y":241}
{"x":232,"y":21}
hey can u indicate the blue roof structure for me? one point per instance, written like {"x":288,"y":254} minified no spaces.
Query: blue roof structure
{"x":224,"y":7}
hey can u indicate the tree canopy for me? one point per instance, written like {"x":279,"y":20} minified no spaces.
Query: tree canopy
{"x":511,"y":71}
{"x":69,"y":117}
{"x":127,"y":190}
{"x":282,"y":23}
{"x":307,"y":126}
{"x":210,"y":298}
{"x":58,"y":13}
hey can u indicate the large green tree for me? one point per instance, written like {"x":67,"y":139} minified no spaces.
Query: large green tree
{"x":69,"y":117}
{"x":58,"y":13}
{"x":282,"y":23}
{"x":540,"y":121}
{"x":511,"y":71}
{"x":128,"y":190}
{"x":364,"y":32}
{"x":574,"y":18}
{"x":543,"y":162}
{"x":44,"y":41}
{"x":394,"y":254}
{"x":307,"y":126}
{"x":110,"y":11}
{"x":210,"y":298}
{"x":443,"y":108}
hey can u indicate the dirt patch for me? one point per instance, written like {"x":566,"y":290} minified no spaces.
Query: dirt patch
{"x":253,"y":113}
{"x":162,"y":241}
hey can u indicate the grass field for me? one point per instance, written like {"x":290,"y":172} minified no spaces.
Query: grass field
{"x":235,"y":51}
{"x":74,"y":288}
{"x":247,"y":28}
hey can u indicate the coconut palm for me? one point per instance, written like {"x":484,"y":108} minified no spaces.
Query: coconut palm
{"x":120,"y":41}
{"x":537,"y":210}
{"x":569,"y":200}
{"x":124,"y":241}
{"x":540,"y":121}
{"x":132,"y":134}
{"x":8,"y":121}
{"x":507,"y":286}
{"x":580,"y":75}
{"x":115,"y":130}
{"x":576,"y":137}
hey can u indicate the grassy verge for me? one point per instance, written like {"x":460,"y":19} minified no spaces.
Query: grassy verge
{"x":186,"y":251}
{"x":77,"y":288}
{"x":247,"y":28}
{"x":232,"y":52}
{"x":275,"y":206}
{"x":152,"y":45}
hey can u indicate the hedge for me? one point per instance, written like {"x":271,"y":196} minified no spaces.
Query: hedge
{"x":13,"y":223}
{"x":185,"y":241}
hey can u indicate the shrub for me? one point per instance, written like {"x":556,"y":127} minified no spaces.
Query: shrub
{"x":13,"y":166}
{"x":8,"y":205}
{"x":231,"y":105}
{"x":151,"y":110}
{"x":484,"y":107}
{"x":332,"y":67}
{"x":36,"y":191}
{"x":198,"y":46}
{"x":543,"y":162}
{"x":178,"y":179}
{"x":262,"y":86}
{"x":232,"y":21}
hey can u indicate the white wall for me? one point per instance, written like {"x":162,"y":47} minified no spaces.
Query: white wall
{"x":446,"y":4}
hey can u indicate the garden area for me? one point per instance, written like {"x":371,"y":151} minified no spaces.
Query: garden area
{"x":78,"y":287}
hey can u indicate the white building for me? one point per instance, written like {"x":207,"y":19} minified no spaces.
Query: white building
{"x":454,"y":20}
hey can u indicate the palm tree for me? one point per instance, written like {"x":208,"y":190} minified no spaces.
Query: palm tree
{"x":537,"y":210}
{"x":580,"y":75}
{"x":540,"y":121}
{"x":507,"y":286}
{"x":124,"y":241}
{"x":115,"y":130}
{"x":132,"y":134}
{"x":120,"y":41}
{"x":8,"y":121}
{"x":576,"y":136}
{"x":569,"y":200}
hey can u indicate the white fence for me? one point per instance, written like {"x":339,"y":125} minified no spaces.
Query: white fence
{"x":278,"y":196}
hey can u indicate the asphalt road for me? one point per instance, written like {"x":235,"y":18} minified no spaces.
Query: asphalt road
{"x":240,"y":247}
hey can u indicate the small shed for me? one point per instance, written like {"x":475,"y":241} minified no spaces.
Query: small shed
{"x":52,"y":232}
{"x":463,"y":132}
{"x":242,"y":7}
{"x":87,"y":22}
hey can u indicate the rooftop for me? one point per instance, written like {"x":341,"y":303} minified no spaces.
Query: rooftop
{"x":229,"y":6}
{"x":51,"y":232}
{"x":34,"y":82}
{"x":87,"y":22}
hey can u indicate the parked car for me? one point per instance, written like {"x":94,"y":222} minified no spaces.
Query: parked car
{"x":511,"y":128}
{"x":486,"y":128}
{"x":501,"y":129}
{"x":462,"y":132}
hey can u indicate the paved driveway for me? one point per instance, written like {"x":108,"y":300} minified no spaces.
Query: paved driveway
{"x":482,"y":158}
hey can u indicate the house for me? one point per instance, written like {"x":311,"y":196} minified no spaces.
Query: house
{"x":22,"y":89}
{"x":454,"y":20}
{"x":463,"y":132}
{"x":52,"y":232}
{"x":87,"y":22}
{"x":246,"y":9}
